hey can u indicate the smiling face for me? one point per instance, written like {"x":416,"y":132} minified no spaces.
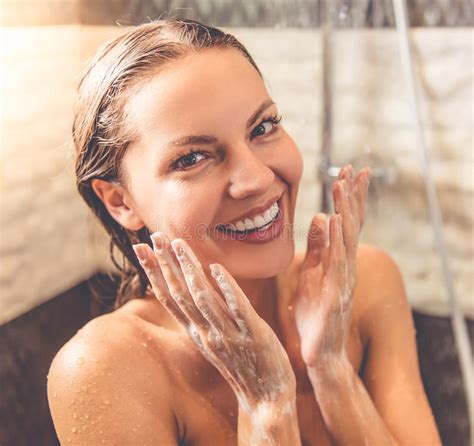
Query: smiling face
{"x":241,"y":161}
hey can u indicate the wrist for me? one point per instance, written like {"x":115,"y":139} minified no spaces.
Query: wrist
{"x":277,"y":401}
{"x":330,"y":371}
{"x":269,"y":422}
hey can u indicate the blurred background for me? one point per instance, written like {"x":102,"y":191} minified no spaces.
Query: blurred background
{"x":336,"y":71}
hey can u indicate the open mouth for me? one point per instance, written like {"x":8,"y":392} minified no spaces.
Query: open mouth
{"x":258,"y":224}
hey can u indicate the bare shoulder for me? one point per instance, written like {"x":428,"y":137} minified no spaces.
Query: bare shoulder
{"x":379,"y":287}
{"x":378,"y":275}
{"x":107,"y":382}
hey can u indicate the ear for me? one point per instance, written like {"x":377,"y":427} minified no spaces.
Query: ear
{"x":118,"y":202}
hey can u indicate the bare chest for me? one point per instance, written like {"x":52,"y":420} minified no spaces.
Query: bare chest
{"x":208,"y":410}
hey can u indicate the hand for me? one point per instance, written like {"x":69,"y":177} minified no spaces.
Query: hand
{"x":230,"y":334}
{"x":323,"y":299}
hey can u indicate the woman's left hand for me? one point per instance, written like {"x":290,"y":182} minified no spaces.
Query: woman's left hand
{"x":323,"y":299}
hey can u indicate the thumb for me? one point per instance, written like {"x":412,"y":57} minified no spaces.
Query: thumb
{"x":316,"y":240}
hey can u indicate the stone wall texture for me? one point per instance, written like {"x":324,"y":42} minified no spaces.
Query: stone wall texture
{"x":49,"y":240}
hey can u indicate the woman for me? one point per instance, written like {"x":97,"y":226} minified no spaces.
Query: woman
{"x":177,"y":135}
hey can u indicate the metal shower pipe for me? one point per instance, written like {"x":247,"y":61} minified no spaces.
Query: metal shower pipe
{"x":459,"y":325}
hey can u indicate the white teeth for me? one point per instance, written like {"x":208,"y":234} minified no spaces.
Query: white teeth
{"x":249,"y":224}
{"x":274,"y":210}
{"x":259,"y":221}
{"x":256,"y":222}
{"x":240,"y":226}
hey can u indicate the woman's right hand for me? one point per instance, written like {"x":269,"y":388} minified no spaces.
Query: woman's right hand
{"x":230,"y":334}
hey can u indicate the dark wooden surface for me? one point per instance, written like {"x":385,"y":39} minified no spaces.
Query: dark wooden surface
{"x":28,"y":344}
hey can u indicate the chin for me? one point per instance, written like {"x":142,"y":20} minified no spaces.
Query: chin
{"x":263,"y":265}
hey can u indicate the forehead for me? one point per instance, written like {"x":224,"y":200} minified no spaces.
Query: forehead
{"x":203,"y":86}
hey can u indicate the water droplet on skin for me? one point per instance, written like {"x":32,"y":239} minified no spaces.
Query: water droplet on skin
{"x":290,"y":307}
{"x":101,"y":432}
{"x":260,"y":380}
{"x":144,"y":344}
{"x":74,"y":415}
{"x":74,"y":429}
{"x":55,"y":395}
{"x":182,"y":250}
{"x":80,"y":360}
{"x":190,"y":266}
{"x":86,"y":416}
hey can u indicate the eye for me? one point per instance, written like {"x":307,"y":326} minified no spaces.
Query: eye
{"x":186,"y":161}
{"x":273,"y":122}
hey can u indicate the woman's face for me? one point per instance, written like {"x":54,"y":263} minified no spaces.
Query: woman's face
{"x":241,"y":161}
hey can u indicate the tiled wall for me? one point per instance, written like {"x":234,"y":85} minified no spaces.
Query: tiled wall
{"x":49,"y":242}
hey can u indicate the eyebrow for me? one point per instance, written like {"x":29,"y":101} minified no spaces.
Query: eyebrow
{"x":209,"y":139}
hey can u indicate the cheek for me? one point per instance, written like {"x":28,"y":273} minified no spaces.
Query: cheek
{"x":188,"y":209}
{"x":290,"y":162}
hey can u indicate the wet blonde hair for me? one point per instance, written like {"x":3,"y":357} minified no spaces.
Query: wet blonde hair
{"x":100,"y":130}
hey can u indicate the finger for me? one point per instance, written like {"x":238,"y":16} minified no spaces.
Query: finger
{"x":207,"y":300}
{"x":175,"y":281}
{"x":342,"y":172}
{"x":238,"y":303}
{"x":361,"y":187}
{"x":151,"y":267}
{"x":337,"y":256}
{"x":316,"y":241}
{"x":342,"y":207}
{"x":350,"y":195}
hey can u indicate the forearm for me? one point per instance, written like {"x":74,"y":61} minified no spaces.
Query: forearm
{"x":347,"y":409}
{"x":268,"y":424}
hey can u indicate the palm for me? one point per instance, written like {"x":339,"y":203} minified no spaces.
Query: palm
{"x":323,"y":299}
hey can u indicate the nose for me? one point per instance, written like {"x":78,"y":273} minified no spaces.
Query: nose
{"x":249,"y":175}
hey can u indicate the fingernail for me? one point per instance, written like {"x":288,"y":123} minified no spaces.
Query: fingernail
{"x":140,"y":252}
{"x":215,"y":270}
{"x":178,"y":247}
{"x":157,"y":241}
